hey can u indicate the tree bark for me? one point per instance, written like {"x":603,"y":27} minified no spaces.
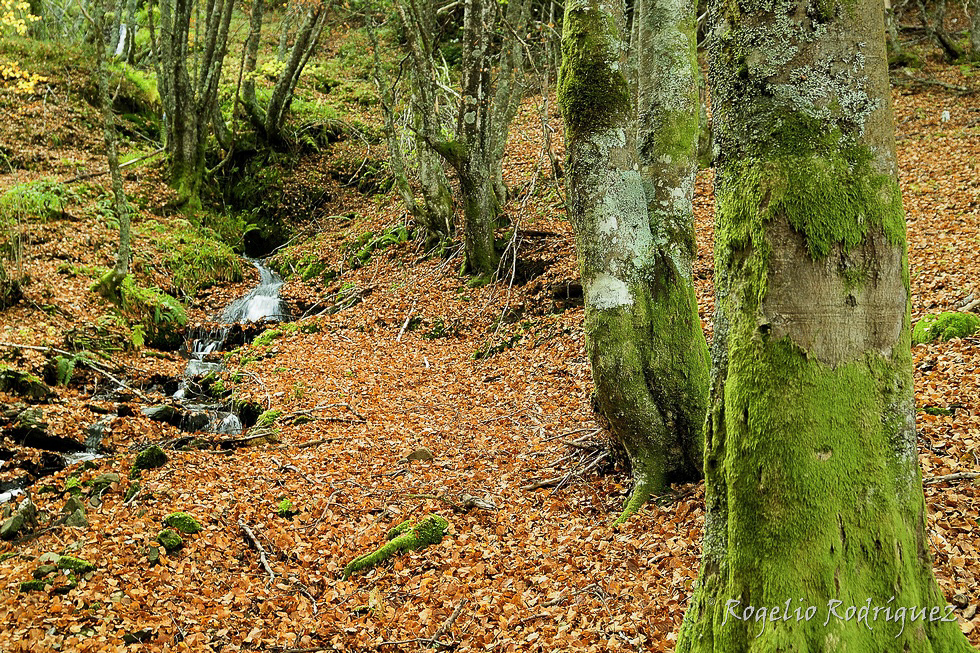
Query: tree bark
{"x":109,"y":284}
{"x":632,"y":148}
{"x":813,"y":492}
{"x":189,"y":86}
{"x":975,"y":30}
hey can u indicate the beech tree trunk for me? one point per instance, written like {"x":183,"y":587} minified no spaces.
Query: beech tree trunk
{"x":631,"y":124}
{"x":189,"y":86}
{"x":813,"y":491}
{"x":491,"y":91}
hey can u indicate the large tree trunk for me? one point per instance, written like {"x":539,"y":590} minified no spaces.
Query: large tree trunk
{"x":813,"y":490}
{"x":189,"y":87}
{"x":630,"y":187}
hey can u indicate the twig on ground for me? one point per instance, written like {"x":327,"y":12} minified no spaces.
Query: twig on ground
{"x":958,"y":476}
{"x":254,"y":542}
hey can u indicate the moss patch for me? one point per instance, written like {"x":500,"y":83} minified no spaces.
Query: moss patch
{"x":182,"y":522}
{"x":170,"y":540}
{"x":149,"y":458}
{"x":592,"y":89}
{"x":945,"y":326}
{"x":407,"y":536}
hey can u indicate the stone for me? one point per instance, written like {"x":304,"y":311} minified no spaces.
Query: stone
{"x":163,"y":413}
{"x":102,"y":481}
{"x":170,"y":540}
{"x":77,"y":519}
{"x":182,"y":522}
{"x":72,"y":505}
{"x":45,"y":570}
{"x":11,"y":527}
{"x":420,"y":454}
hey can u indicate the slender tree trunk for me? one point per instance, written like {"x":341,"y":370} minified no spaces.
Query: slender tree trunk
{"x":813,"y":490}
{"x":110,"y":283}
{"x":630,"y":184}
{"x":891,"y":30}
{"x":975,"y":30}
{"x":434,"y":213}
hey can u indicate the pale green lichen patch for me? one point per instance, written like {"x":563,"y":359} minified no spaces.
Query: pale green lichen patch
{"x":945,"y":326}
{"x":182,"y":522}
{"x":407,"y":536}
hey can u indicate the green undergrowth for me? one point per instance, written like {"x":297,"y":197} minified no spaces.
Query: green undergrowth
{"x":192,"y":257}
{"x":42,"y":200}
{"x":945,"y":326}
{"x":360,"y":251}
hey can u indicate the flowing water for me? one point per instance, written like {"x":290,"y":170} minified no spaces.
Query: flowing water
{"x":262,"y":303}
{"x":198,"y":411}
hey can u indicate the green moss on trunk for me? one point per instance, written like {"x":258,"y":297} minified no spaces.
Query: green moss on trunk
{"x":407,"y":536}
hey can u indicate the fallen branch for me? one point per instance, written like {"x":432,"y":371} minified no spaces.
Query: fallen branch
{"x":89,"y":175}
{"x":80,"y":360}
{"x":408,"y":319}
{"x":254,"y":542}
{"x":958,"y":476}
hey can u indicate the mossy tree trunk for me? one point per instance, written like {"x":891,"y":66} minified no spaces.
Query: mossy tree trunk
{"x":491,"y":90}
{"x":631,"y":123}
{"x":434,"y":213}
{"x":974,"y":30}
{"x":191,"y":61}
{"x":813,"y":490}
{"x":269,"y":121}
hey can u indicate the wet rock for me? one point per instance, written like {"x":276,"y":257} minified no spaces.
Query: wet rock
{"x":195,"y":421}
{"x":95,"y":433}
{"x":163,"y":413}
{"x":125,"y":410}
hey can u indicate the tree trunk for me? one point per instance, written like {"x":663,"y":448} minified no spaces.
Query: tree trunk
{"x":975,"y":30}
{"x":630,"y":205}
{"x":189,"y":87}
{"x":813,"y":492}
{"x":109,"y":285}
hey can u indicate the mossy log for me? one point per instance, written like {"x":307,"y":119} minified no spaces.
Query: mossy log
{"x":407,"y":536}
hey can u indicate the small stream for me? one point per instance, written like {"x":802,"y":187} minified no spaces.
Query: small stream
{"x":197,"y":411}
{"x":261,"y":304}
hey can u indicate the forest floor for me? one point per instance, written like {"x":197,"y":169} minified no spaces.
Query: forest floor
{"x":492,"y":380}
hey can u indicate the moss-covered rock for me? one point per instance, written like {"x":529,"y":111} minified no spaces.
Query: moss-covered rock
{"x":182,"y":522}
{"x":170,"y":540}
{"x":268,"y":418}
{"x":103,"y":481}
{"x":149,"y":458}
{"x":77,"y":519}
{"x":32,"y":586}
{"x":945,"y":326}
{"x":407,"y":536}
{"x":23,"y":384}
{"x":44,"y":570}
{"x":75,"y":564}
